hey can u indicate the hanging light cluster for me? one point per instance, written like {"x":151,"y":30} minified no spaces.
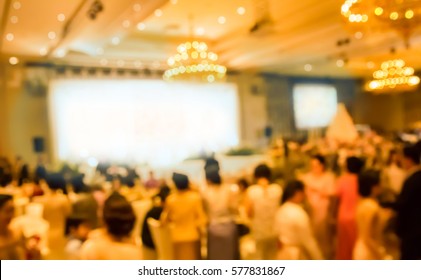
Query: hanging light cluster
{"x":193,"y":61}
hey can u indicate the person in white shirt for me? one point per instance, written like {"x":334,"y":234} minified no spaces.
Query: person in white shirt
{"x":296,"y":239}
{"x":261,"y":203}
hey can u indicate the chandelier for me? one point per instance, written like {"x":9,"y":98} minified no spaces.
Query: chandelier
{"x":193,"y":61}
{"x":403,"y":16}
{"x":393,"y":75}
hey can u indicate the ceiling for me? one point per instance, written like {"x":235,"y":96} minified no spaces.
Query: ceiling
{"x":143,"y":33}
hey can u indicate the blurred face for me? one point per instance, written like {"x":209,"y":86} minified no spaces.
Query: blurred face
{"x":6,"y":213}
{"x":316,"y":167}
{"x":376,"y":191}
{"x":299,"y":197}
{"x":83,"y":230}
{"x":406,"y":163}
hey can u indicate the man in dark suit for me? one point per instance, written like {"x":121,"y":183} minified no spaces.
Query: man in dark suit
{"x":409,"y":206}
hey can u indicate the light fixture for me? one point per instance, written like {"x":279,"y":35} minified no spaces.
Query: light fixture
{"x":61,"y":17}
{"x":126,"y":23}
{"x":222,"y":20}
{"x":17,"y":5}
{"x":393,"y":76}
{"x":103,"y":61}
{"x":200,"y":31}
{"x":137,"y":7}
{"x":10,"y":37}
{"x":13,"y":60}
{"x":52,"y":35}
{"x":14,"y":19}
{"x":340,"y":63}
{"x":194,"y":61}
{"x":241,"y":10}
{"x":308,"y":67}
{"x":60,"y":53}
{"x":115,"y":41}
{"x":141,"y":26}
{"x":158,"y":12}
{"x":403,"y":16}
{"x":43,"y":51}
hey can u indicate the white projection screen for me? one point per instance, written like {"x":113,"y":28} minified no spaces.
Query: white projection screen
{"x":315,"y":105}
{"x":141,"y":121}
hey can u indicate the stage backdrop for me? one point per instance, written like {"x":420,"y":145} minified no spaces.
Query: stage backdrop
{"x":142,"y":121}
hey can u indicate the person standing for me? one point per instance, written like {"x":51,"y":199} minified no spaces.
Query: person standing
{"x":408,"y":206}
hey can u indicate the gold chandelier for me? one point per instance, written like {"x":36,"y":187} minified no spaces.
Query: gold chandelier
{"x":393,"y":75}
{"x":403,"y":16}
{"x":193,"y":61}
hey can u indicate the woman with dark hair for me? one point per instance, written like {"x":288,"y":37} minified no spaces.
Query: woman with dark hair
{"x":220,"y":203}
{"x":367,"y":246}
{"x":320,"y":189}
{"x":115,"y":244}
{"x":347,"y":191}
{"x":184,"y":212}
{"x":293,"y":226}
{"x":261,"y":203}
{"x":10,"y":247}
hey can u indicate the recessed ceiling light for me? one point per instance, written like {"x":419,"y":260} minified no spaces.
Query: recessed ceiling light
{"x":61,"y":17}
{"x":137,"y":7}
{"x":158,"y":12}
{"x":174,"y":2}
{"x":17,"y":5}
{"x":103,"y":62}
{"x":52,"y":35}
{"x":308,"y":67}
{"x":340,"y":63}
{"x":115,"y":40}
{"x":43,"y":51}
{"x":137,"y":64}
{"x":13,"y":60}
{"x":14,"y":19}
{"x":222,"y":20}
{"x":358,"y":35}
{"x":370,"y":65}
{"x":10,"y":37}
{"x":241,"y":10}
{"x":120,"y":63}
{"x":141,"y":26}
{"x":126,"y":23}
{"x":200,"y":31}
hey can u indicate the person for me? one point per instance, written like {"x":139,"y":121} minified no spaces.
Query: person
{"x":221,"y":207}
{"x":320,"y":189}
{"x":152,"y":183}
{"x":114,"y":243}
{"x":57,"y":208}
{"x":347,"y":192}
{"x":184,"y":213}
{"x":408,"y":206}
{"x":155,"y":212}
{"x":393,"y":174}
{"x":368,"y":244}
{"x":77,"y":230}
{"x":85,"y":203}
{"x":11,"y":246}
{"x":292,"y":223}
{"x":261,"y":202}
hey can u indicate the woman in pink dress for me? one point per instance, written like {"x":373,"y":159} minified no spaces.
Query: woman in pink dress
{"x":348,"y":199}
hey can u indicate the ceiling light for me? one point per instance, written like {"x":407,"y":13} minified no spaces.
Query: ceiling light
{"x":60,"y":53}
{"x":308,"y":67}
{"x":115,"y":40}
{"x":358,"y":35}
{"x":340,"y":63}
{"x":141,"y":26}
{"x":13,"y":60}
{"x":137,"y":7}
{"x":193,"y":61}
{"x":10,"y":37}
{"x":200,"y":31}
{"x":173,"y":2}
{"x":17,"y":5}
{"x":222,"y":20}
{"x":241,"y":10}
{"x":158,"y":12}
{"x":14,"y":19}
{"x":103,"y":62}
{"x":126,"y":24}
{"x":61,"y":17}
{"x":43,"y":51}
{"x":370,"y":65}
{"x":52,"y":35}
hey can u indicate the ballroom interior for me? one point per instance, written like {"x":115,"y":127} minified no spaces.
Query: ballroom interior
{"x":155,"y":106}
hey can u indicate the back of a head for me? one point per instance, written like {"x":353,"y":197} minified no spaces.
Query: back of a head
{"x":181,"y":181}
{"x":78,"y":184}
{"x":320,"y":159}
{"x":164,"y":192}
{"x":413,"y":153}
{"x":354,"y":165}
{"x":118,"y":215}
{"x":4,"y":198}
{"x":262,"y":171}
{"x":56,"y":181}
{"x":213,"y":176}
{"x":367,"y":180}
{"x":291,"y":189}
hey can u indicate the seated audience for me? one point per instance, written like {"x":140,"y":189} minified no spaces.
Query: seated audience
{"x":77,"y":230}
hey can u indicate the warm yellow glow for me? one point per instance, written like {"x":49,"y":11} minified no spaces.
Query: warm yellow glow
{"x":409,"y":14}
{"x":378,"y":11}
{"x":394,"y":15}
